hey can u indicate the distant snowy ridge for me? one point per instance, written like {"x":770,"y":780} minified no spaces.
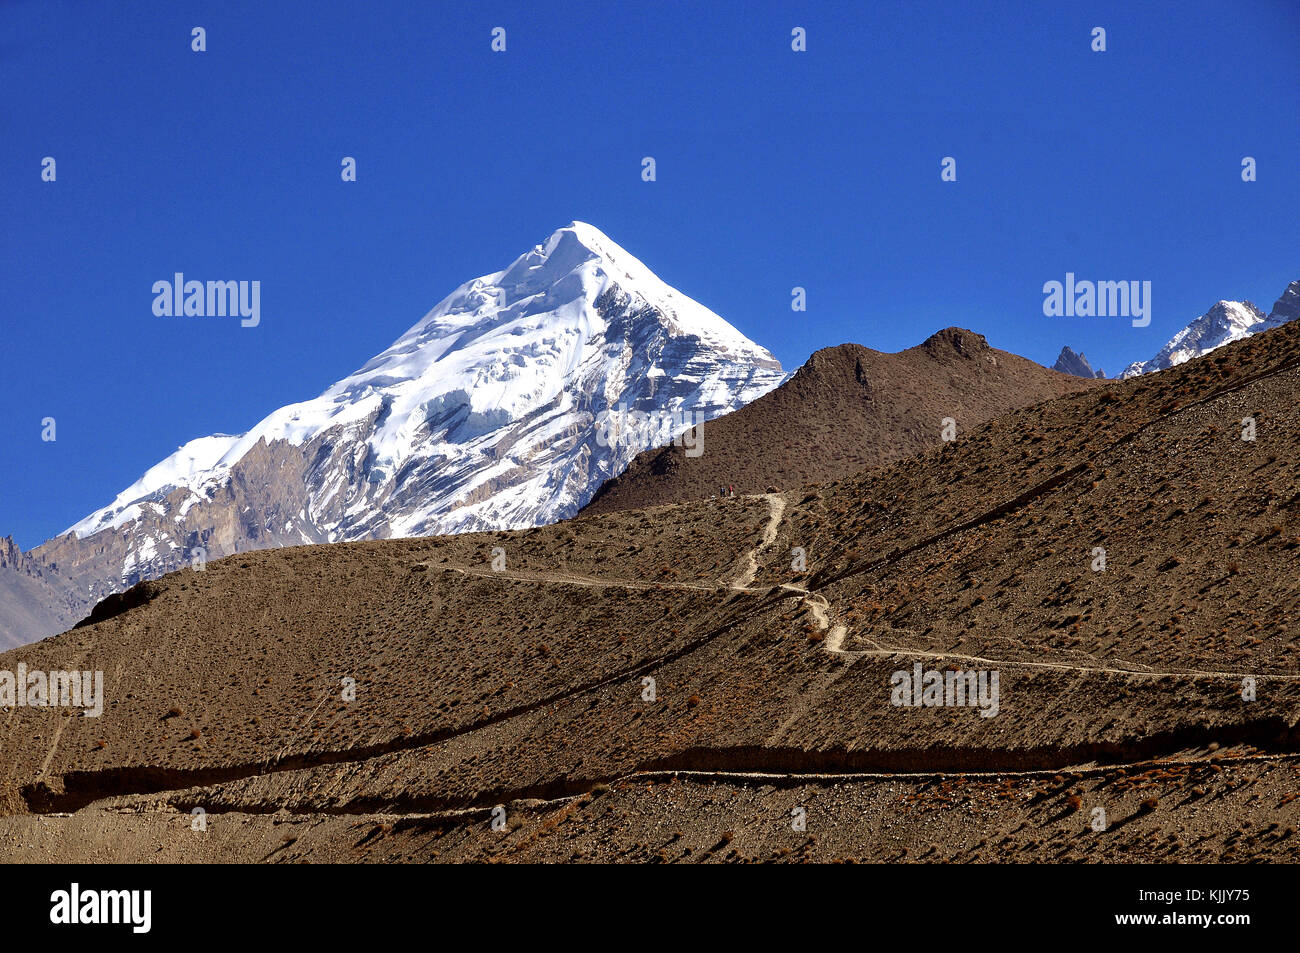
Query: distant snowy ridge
{"x":1224,"y":323}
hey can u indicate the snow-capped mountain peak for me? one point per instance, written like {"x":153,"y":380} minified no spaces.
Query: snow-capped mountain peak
{"x":481,"y":416}
{"x":1224,"y":323}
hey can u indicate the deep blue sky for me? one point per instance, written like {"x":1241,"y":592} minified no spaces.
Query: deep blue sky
{"x":775,"y":169}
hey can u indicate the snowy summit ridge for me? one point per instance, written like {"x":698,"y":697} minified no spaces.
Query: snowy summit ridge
{"x":481,"y":416}
{"x":1224,"y":323}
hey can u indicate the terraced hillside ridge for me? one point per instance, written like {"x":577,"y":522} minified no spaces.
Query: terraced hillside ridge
{"x":845,"y":409}
{"x":675,"y":684}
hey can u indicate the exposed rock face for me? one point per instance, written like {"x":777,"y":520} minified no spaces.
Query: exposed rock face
{"x":1076,"y":364}
{"x":36,"y":599}
{"x":1286,"y":308}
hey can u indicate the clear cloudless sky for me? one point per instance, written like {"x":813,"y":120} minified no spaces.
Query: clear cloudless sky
{"x":776,"y":169}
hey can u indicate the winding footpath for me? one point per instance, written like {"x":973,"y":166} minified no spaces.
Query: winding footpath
{"x":820,"y":610}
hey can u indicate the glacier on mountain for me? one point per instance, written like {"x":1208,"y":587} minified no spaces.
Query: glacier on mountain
{"x":483,"y":416}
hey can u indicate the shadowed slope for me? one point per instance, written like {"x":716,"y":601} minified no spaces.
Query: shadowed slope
{"x":845,"y":409}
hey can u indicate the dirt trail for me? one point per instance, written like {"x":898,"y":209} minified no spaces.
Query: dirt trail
{"x":833,"y":645}
{"x":62,"y":722}
{"x":776,"y":512}
{"x":837,"y":777}
{"x":569,"y":579}
{"x":836,"y":634}
{"x":820,"y":610}
{"x":776,"y":509}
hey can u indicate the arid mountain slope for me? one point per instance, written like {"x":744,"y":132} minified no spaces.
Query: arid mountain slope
{"x":845,"y":409}
{"x":1162,"y":688}
{"x":36,"y":600}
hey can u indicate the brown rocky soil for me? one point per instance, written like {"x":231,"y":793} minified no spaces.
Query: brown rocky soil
{"x":524,"y":686}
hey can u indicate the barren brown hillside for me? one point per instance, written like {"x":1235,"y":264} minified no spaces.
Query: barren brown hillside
{"x":845,"y":409}
{"x":1162,"y":689}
